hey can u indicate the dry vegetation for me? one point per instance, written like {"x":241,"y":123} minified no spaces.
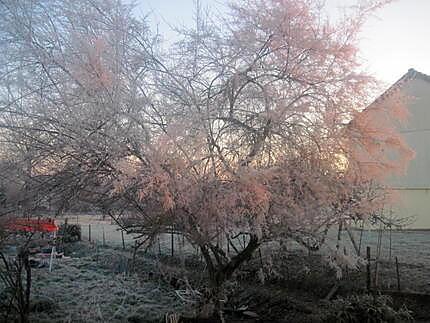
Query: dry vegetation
{"x":294,"y":289}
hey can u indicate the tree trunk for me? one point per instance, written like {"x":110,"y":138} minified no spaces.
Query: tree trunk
{"x":220,"y":273}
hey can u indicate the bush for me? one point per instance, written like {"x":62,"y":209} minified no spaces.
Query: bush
{"x":367,"y":308}
{"x":70,"y":232}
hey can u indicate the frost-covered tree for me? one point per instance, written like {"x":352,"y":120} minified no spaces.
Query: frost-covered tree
{"x":249,"y":125}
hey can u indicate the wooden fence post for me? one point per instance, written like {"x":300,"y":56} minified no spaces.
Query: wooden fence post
{"x":376,"y":280}
{"x":361,"y":237}
{"x":183,"y":245}
{"x":65,"y":230}
{"x":89,"y":232}
{"x":172,"y":242}
{"x":339,"y":237}
{"x":104,"y":237}
{"x":122,"y":237}
{"x":378,"y":255}
{"x":398,"y":274}
{"x":390,"y":242}
{"x":368,"y":277}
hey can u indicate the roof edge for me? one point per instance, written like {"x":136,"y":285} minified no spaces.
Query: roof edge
{"x":411,"y":74}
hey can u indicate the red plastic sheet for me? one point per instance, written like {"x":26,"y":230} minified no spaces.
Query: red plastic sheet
{"x":32,"y":225}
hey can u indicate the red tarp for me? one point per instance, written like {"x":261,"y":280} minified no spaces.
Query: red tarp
{"x":32,"y":225}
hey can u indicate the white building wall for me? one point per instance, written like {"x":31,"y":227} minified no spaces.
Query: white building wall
{"x":414,"y":186}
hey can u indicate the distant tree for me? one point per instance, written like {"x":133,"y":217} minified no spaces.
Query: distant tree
{"x":251,"y":125}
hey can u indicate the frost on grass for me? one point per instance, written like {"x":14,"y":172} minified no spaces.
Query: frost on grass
{"x":90,"y":289}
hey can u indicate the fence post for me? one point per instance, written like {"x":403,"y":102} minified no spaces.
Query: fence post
{"x":89,"y":232}
{"x":339,"y":237}
{"x":122,"y":237}
{"x":376,"y":281}
{"x":390,"y":242}
{"x":398,"y":274}
{"x":172,"y":243}
{"x":361,"y":237}
{"x":51,"y":258}
{"x":104,"y":237}
{"x":368,"y":278}
{"x":65,"y":230}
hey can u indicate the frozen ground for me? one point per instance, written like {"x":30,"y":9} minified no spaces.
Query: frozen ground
{"x":93,"y":285}
{"x":76,"y":290}
{"x":412,"y":248}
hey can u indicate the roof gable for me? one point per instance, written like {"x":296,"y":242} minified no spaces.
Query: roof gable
{"x":412,"y":74}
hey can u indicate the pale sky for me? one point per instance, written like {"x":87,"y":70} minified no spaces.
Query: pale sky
{"x":396,"y":39}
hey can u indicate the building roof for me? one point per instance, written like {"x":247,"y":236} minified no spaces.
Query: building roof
{"x":412,"y":74}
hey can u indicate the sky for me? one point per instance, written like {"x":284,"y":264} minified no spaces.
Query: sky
{"x":395,"y":39}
